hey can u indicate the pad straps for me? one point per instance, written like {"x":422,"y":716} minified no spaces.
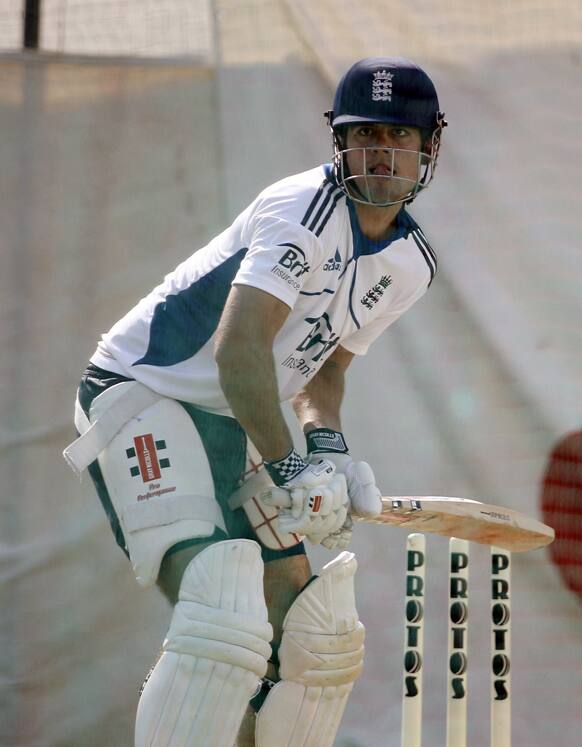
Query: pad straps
{"x":87,"y":447}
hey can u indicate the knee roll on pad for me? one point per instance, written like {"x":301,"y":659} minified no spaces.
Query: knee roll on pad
{"x":321,"y":656}
{"x":214,"y":655}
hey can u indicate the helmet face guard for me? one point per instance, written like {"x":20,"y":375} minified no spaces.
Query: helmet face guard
{"x":382,"y":190}
{"x":385,"y":90}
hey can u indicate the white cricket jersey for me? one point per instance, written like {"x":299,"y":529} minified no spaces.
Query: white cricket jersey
{"x":299,"y":241}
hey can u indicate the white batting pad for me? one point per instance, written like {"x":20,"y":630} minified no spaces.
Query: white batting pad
{"x":321,"y":656}
{"x":215,"y":652}
{"x":158,"y":478}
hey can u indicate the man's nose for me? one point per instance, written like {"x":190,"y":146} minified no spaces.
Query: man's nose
{"x":383,"y":141}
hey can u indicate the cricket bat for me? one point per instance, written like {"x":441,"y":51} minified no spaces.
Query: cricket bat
{"x":450,"y":517}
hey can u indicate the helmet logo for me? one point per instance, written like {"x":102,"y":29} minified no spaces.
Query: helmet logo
{"x":382,"y":86}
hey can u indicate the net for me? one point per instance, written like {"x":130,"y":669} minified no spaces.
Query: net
{"x":135,"y":134}
{"x":11,"y":25}
{"x":166,"y":28}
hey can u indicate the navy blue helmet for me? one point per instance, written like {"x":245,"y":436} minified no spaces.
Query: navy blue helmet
{"x":388,"y":90}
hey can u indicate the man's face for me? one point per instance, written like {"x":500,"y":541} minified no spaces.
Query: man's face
{"x":390,"y":166}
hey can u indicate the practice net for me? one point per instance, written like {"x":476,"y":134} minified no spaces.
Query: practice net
{"x":136,"y":133}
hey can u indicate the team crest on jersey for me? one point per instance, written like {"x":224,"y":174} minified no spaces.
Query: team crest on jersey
{"x":145,"y":450}
{"x":333,"y":263}
{"x":376,"y":292}
{"x":382,"y":86}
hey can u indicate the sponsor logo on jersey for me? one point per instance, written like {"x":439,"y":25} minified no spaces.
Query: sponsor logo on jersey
{"x":334,"y":263}
{"x":294,"y":260}
{"x":382,"y":86}
{"x":300,"y":365}
{"x":289,"y":279}
{"x":321,"y":336}
{"x":291,"y":266}
{"x":376,"y":292}
{"x":145,"y":449}
{"x":318,"y":341}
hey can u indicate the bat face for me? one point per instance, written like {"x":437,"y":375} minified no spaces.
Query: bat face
{"x":465,"y":519}
{"x":561,"y":503}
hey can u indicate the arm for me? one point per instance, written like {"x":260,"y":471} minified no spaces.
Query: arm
{"x":318,"y":404}
{"x":244,"y":355}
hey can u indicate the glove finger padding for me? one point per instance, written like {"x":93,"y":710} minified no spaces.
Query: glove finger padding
{"x":317,"y":512}
{"x":313,"y":503}
{"x":276,"y":497}
{"x":298,"y":502}
{"x":365,"y":497}
{"x":340,"y":539}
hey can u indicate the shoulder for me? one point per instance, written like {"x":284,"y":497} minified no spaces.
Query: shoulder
{"x":415,"y":233}
{"x":307,"y":199}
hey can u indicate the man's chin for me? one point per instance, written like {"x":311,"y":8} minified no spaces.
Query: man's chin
{"x":381,"y":194}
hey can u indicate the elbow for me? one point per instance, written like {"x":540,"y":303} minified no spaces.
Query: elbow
{"x":220,"y":350}
{"x":233,"y":351}
{"x":225,"y":359}
{"x":224,"y":354}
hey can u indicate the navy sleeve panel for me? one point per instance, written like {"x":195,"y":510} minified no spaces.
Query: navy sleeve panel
{"x":184,"y":322}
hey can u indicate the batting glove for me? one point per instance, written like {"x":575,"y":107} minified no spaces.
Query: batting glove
{"x":364,"y":494}
{"x":311,"y":498}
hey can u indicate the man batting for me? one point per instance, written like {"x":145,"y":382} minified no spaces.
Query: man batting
{"x":191,"y":379}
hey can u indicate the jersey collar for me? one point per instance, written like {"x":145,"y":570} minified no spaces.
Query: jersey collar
{"x":362,"y":244}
